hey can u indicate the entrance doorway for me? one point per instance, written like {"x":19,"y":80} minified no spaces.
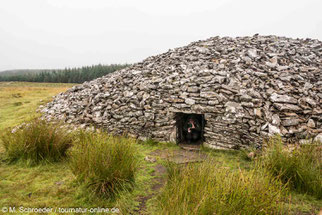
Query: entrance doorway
{"x":190,"y":128}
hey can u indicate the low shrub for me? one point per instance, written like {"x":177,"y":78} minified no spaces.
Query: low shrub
{"x":17,"y":104}
{"x":301,"y":168}
{"x":207,"y":188}
{"x":36,"y":141}
{"x":105,"y":164}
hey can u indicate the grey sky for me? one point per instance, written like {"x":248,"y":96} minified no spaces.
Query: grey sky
{"x":71,"y":33}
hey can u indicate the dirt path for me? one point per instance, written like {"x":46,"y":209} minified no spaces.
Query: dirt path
{"x":157,"y":183}
{"x":179,"y":156}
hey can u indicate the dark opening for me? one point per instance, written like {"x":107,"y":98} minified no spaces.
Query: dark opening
{"x":188,"y":133}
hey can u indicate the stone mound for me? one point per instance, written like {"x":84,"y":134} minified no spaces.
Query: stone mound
{"x":247,"y":88}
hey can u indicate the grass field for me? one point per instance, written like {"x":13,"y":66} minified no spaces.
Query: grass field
{"x":53,"y":185}
{"x":19,"y":100}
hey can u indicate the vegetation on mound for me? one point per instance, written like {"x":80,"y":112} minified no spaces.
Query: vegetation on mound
{"x":36,"y":141}
{"x":300,"y":168}
{"x":106,"y":164}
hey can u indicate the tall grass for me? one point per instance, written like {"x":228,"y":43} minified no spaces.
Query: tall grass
{"x":105,"y":164}
{"x":36,"y":141}
{"x":301,"y":168}
{"x":207,"y":188}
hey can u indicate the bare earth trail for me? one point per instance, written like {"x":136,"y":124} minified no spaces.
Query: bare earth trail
{"x":179,"y":156}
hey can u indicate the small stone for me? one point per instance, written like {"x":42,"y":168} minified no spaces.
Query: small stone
{"x":252,"y":53}
{"x":150,"y":159}
{"x":193,"y":89}
{"x":251,"y":155}
{"x":276,"y":120}
{"x":290,"y":122}
{"x":271,"y":65}
{"x":287,"y":107}
{"x":318,"y":138}
{"x":310,"y":102}
{"x":213,"y":102}
{"x":189,"y":101}
{"x":311,"y":123}
{"x":258,"y":112}
{"x":273,"y":130}
{"x":232,"y":107}
{"x":308,"y":85}
{"x":59,"y":182}
{"x":282,"y":99}
{"x":128,"y":94}
{"x":208,"y":94}
{"x":264,"y":126}
{"x":145,"y":96}
{"x":284,"y":131}
{"x":305,"y":141}
{"x":245,"y":98}
{"x":274,"y":60}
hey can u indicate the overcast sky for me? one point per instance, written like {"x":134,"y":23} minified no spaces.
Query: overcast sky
{"x":37,"y":34}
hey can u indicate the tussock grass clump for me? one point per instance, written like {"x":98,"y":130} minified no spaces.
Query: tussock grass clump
{"x":207,"y":188}
{"x":301,"y":168}
{"x":150,"y":142}
{"x":105,"y":164}
{"x":36,"y":141}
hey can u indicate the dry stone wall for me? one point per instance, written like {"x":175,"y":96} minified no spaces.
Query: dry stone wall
{"x":247,"y":88}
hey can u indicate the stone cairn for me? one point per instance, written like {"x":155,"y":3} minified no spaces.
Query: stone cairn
{"x":248,"y":88}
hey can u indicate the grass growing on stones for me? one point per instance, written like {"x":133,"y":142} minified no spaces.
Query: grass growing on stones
{"x":301,"y":168}
{"x":208,"y":188}
{"x":106,"y":164}
{"x":37,"y":141}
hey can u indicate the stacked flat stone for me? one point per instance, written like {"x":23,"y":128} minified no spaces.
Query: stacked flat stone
{"x":248,"y":88}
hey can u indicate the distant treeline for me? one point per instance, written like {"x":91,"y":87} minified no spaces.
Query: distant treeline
{"x":68,"y":75}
